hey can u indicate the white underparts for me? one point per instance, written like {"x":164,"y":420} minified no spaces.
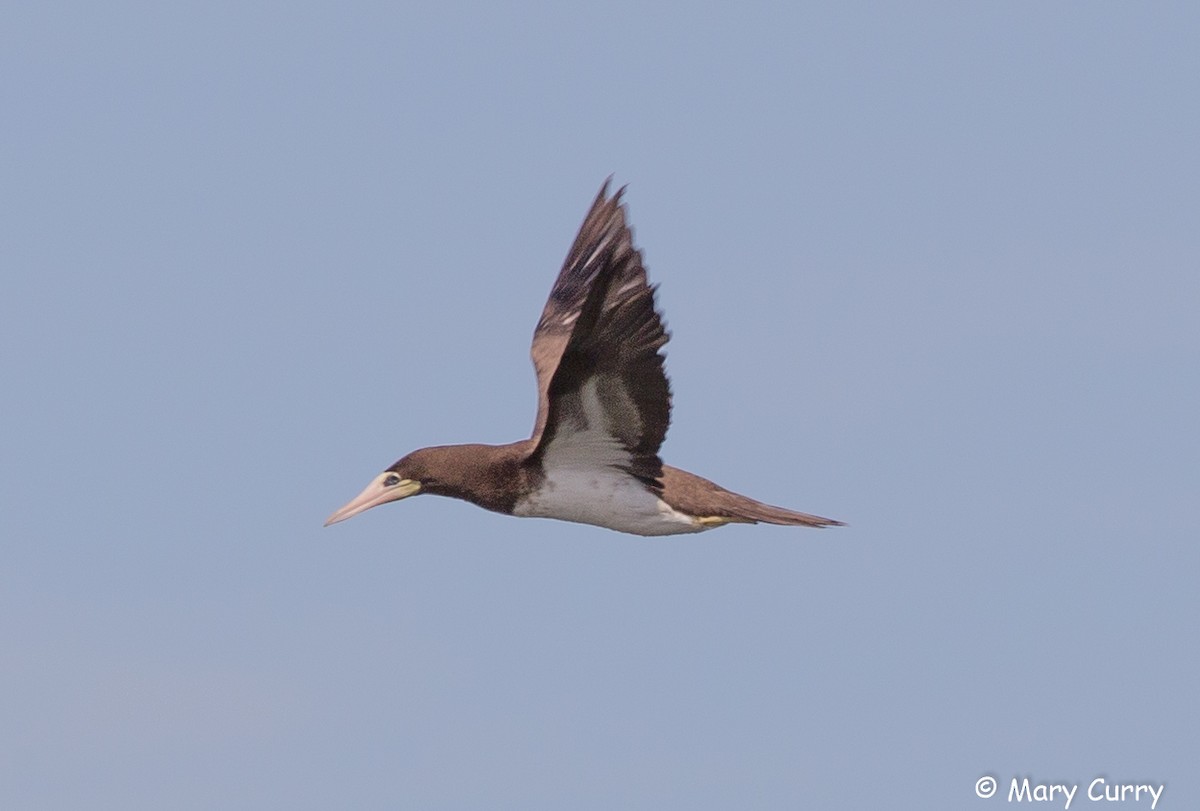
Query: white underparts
{"x":611,"y":498}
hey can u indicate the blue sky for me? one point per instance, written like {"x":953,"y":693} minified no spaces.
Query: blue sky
{"x":931,"y":269}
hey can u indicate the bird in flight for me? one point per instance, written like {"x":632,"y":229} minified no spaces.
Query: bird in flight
{"x":604,"y":405}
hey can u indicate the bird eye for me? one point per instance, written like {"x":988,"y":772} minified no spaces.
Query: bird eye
{"x":391,"y":481}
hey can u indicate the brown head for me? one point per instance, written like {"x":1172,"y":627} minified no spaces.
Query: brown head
{"x":488,"y":475}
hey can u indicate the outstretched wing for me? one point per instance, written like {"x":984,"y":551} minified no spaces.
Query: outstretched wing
{"x":603,"y":395}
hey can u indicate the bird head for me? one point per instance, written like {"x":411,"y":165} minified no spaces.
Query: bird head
{"x":401,"y":480}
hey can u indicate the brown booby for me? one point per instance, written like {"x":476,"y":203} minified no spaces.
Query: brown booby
{"x":604,"y":405}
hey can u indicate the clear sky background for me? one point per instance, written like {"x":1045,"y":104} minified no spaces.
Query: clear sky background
{"x":931,"y":268}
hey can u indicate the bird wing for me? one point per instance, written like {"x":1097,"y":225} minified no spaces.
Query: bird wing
{"x":603,"y":395}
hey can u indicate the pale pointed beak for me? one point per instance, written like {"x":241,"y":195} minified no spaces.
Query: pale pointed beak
{"x":376,"y":493}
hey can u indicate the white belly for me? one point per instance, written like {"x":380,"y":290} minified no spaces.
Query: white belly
{"x":605,"y":498}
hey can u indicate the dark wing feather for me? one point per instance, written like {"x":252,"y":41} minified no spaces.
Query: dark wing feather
{"x":600,"y":325}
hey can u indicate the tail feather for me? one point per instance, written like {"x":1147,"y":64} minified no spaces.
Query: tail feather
{"x":751,"y":510}
{"x":697,"y":496}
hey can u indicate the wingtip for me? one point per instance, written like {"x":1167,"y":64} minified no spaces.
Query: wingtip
{"x":606,"y":185}
{"x":603,"y":193}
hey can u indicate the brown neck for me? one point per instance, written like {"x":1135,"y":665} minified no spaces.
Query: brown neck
{"x":491,"y":476}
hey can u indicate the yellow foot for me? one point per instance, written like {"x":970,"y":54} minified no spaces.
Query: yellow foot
{"x":711,"y":521}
